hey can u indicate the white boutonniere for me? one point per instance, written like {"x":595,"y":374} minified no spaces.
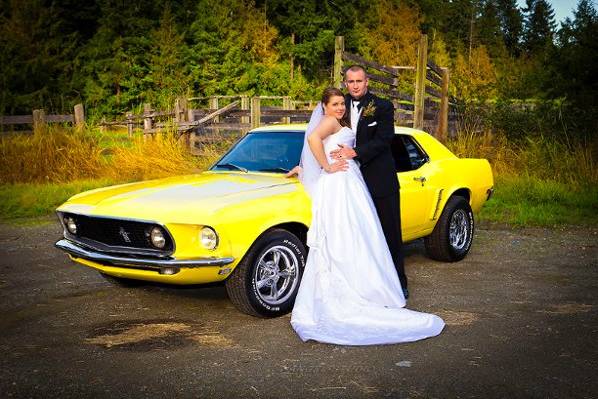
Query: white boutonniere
{"x":368,"y":110}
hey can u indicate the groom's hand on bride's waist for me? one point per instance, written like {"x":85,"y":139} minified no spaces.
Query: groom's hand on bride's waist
{"x":337,"y":166}
{"x":343,"y":152}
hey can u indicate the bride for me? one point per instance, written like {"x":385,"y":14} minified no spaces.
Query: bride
{"x":350,"y":293}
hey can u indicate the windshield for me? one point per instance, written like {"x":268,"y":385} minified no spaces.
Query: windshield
{"x":276,"y":152}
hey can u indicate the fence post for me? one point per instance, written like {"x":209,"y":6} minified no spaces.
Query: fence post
{"x":245,"y":107}
{"x":255,"y":112}
{"x":286,"y":105}
{"x":443,"y":117}
{"x":39,"y":119}
{"x":180,"y":116}
{"x":180,"y":109}
{"x":103,"y":125}
{"x":214,"y":106}
{"x":79,"y":116}
{"x":420,"y":82}
{"x":147,"y":119}
{"x":130,"y":124}
{"x":339,"y":48}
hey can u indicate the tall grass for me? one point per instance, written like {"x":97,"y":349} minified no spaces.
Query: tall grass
{"x":59,"y":154}
{"x":53,"y":154}
{"x":38,"y":172}
{"x":539,"y":180}
{"x":570,"y":163}
{"x":151,"y":157}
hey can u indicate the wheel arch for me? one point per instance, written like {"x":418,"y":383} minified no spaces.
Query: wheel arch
{"x":296,"y":228}
{"x":461,"y":192}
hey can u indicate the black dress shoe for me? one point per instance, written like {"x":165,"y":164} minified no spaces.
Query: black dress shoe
{"x":406,"y":293}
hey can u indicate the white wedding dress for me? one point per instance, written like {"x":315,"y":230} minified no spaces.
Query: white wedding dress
{"x":350,"y":293}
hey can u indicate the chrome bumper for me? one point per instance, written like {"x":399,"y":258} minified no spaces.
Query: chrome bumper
{"x":143,"y":263}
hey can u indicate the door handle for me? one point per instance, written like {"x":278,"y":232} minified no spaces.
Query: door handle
{"x":420,"y":179}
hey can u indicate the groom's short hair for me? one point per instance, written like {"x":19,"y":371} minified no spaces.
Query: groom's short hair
{"x":356,"y":68}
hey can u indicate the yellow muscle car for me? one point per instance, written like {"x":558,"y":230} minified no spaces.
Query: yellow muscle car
{"x":243,"y":222}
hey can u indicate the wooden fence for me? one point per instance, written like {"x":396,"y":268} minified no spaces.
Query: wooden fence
{"x":39,"y":119}
{"x":427,"y":109}
{"x":240,"y":113}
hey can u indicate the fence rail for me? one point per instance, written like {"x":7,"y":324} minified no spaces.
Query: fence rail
{"x":427,"y":107}
{"x":39,"y":118}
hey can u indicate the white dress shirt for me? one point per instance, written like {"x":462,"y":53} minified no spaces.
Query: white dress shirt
{"x":355,"y":113}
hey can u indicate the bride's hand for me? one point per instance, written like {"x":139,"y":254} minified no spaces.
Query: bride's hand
{"x":294,"y":172}
{"x":337,"y":166}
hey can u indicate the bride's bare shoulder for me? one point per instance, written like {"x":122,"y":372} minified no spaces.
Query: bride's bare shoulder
{"x":330,"y":122}
{"x":327,"y":126}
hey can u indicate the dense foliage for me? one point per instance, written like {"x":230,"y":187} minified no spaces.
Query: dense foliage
{"x":114,"y":55}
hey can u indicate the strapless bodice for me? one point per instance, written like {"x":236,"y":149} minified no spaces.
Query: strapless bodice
{"x":344,"y":136}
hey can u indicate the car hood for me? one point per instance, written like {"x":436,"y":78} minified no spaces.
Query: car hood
{"x":178,"y":199}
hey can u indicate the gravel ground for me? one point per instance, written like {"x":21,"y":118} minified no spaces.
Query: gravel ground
{"x":521,"y":313}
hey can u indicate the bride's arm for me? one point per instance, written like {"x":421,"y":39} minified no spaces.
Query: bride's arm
{"x":325,"y":129}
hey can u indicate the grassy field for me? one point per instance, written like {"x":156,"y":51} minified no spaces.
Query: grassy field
{"x":529,"y":201}
{"x":537,"y":182}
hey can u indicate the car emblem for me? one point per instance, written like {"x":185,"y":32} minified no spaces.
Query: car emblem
{"x":124,"y":235}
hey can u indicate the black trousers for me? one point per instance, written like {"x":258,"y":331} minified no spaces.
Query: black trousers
{"x":389,"y":213}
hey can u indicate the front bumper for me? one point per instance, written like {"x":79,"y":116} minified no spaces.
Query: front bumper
{"x":163,"y":266}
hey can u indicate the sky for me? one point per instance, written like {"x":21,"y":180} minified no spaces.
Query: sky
{"x":562,"y":8}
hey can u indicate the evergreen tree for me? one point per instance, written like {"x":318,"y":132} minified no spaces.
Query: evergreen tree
{"x":539,"y":26}
{"x":233,"y":45}
{"x":313,"y":24}
{"x":489,"y":29}
{"x":35,"y":54}
{"x":111,"y":68}
{"x":168,"y":76}
{"x":459,"y":25}
{"x":575,"y":67}
{"x":511,"y":25}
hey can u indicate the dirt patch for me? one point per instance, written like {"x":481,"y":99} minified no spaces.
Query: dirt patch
{"x":452,"y":318}
{"x":150,"y":335}
{"x":139,"y":333}
{"x":213,"y":340}
{"x":568,"y":308}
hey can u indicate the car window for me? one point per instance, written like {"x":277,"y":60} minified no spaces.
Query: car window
{"x":275,"y":152}
{"x":407,"y":154}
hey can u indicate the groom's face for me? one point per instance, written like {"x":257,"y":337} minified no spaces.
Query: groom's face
{"x":357,"y":83}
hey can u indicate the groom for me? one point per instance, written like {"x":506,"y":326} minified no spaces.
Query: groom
{"x":372,"y":119}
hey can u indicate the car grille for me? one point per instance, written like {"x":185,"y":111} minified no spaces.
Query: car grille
{"x":118,"y":232}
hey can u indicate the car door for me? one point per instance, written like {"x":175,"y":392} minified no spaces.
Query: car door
{"x":419,"y":191}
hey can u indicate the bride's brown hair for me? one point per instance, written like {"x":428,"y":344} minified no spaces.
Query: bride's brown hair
{"x":333,"y":92}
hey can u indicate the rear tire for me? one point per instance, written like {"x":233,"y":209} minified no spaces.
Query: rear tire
{"x":266,"y":281}
{"x":453,"y":234}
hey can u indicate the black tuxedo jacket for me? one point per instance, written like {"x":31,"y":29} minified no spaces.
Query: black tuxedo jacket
{"x":375,"y":132}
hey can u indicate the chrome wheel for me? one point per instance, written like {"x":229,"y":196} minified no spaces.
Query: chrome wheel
{"x":276,"y":275}
{"x":459,"y":229}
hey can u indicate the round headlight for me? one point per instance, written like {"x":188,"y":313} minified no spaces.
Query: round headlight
{"x":70,"y":224}
{"x":157,"y":238}
{"x":209,"y":238}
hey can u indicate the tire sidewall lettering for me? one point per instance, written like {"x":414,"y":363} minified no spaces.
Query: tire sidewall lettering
{"x":255,"y":297}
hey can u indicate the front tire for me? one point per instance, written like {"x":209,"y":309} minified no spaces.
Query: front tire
{"x":266,"y":281}
{"x":453,"y":234}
